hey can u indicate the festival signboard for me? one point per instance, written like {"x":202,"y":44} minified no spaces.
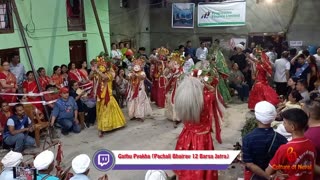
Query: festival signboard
{"x":222,"y":14}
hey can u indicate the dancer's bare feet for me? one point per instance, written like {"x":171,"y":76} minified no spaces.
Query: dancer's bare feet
{"x":100,"y":134}
{"x":140,"y":119}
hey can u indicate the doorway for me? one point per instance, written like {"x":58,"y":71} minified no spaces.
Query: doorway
{"x":268,"y":39}
{"x":78,"y":52}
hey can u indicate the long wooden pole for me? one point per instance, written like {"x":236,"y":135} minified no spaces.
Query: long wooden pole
{"x":27,"y":47}
{"x":93,"y":4}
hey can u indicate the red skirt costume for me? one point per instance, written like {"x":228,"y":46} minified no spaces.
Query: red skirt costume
{"x":31,"y":87}
{"x":261,"y":91}
{"x":155,"y":83}
{"x":161,"y":92}
{"x":158,"y":91}
{"x":197,"y":136}
{"x":10,"y":80}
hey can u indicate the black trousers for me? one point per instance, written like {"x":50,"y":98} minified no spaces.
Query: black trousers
{"x":281,"y":88}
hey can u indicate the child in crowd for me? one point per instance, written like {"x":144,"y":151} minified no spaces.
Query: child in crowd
{"x":302,"y":87}
{"x":295,"y":159}
{"x":293,"y":102}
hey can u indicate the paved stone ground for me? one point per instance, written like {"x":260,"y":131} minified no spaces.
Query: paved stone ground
{"x":156,"y":133}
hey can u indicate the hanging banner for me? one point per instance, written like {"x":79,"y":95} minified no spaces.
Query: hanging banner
{"x":222,"y":14}
{"x":182,"y":15}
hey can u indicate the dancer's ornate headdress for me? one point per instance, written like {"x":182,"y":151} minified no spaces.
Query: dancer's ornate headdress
{"x":103,"y":62}
{"x":139,"y":62}
{"x":162,"y":53}
{"x":177,"y":58}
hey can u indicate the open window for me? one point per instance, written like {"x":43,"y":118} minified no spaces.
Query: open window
{"x":6,"y":21}
{"x":75,"y":15}
{"x":6,"y":54}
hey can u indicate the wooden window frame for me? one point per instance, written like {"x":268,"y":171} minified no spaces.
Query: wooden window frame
{"x":5,"y":54}
{"x":81,"y":26}
{"x":10,"y":17}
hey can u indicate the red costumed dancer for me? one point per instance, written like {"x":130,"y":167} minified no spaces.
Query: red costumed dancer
{"x":261,"y":91}
{"x":158,"y":91}
{"x":196,"y":113}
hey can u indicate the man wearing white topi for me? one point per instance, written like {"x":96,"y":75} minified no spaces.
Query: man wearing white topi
{"x":156,"y":175}
{"x":10,"y":160}
{"x":80,"y":166}
{"x":44,"y":163}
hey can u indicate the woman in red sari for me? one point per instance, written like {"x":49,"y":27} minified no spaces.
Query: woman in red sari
{"x":261,"y":91}
{"x":78,"y":76}
{"x":5,"y":113}
{"x":30,"y":87}
{"x":8,"y":83}
{"x":44,"y":79}
{"x":57,"y":77}
{"x":196,"y":113}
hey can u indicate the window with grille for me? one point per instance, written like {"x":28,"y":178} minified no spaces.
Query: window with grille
{"x":75,"y":15}
{"x":6,"y":22}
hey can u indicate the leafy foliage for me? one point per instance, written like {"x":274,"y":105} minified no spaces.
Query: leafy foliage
{"x":249,"y":125}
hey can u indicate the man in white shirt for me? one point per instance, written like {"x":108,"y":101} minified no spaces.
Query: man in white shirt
{"x":317,"y":56}
{"x":188,"y":64}
{"x":18,"y":70}
{"x":202,"y":52}
{"x":272,"y":54}
{"x":281,"y":75}
{"x":116,"y":55}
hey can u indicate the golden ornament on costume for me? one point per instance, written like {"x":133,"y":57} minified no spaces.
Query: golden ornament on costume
{"x":162,"y":51}
{"x":177,"y":58}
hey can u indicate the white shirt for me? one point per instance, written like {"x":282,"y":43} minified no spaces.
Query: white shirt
{"x":201,"y":54}
{"x":317,"y":60}
{"x":281,"y":66}
{"x":187,"y":66}
{"x":7,"y":174}
{"x":306,"y":96}
{"x":116,"y":54}
{"x":19,"y":72}
{"x":272,"y":56}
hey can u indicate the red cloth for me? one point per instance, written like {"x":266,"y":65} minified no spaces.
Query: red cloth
{"x":261,"y":91}
{"x":44,"y":82}
{"x":313,"y":134}
{"x":298,"y":151}
{"x":154,"y":90}
{"x":3,"y":121}
{"x":79,"y":76}
{"x":172,"y":84}
{"x":161,"y":92}
{"x":193,"y":137}
{"x":58,"y":80}
{"x":31,"y":87}
{"x":99,"y":93}
{"x":10,"y":79}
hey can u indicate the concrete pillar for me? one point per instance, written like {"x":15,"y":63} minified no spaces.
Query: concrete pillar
{"x":143,"y":26}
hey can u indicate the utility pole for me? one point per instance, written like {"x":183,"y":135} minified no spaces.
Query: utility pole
{"x":26,"y":46}
{"x":93,"y":4}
